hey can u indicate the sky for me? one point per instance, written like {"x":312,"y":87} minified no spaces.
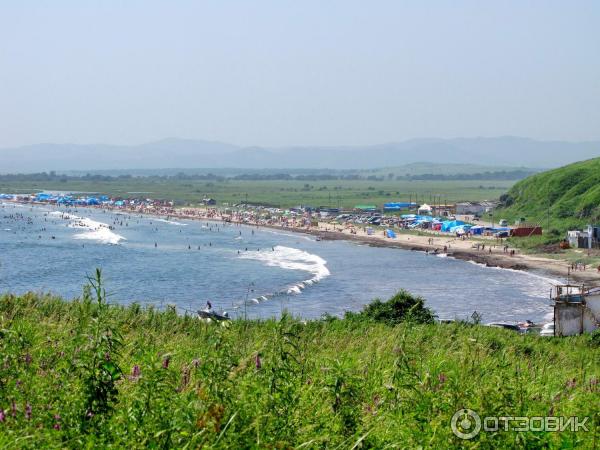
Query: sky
{"x":279,"y":73}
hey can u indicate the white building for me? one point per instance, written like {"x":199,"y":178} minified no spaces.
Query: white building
{"x":576,"y":310}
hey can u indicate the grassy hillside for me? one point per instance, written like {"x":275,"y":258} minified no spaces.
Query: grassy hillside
{"x":86,"y":375}
{"x":569,"y":196}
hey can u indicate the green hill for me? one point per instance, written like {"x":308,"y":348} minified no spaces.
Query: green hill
{"x":565,"y":198}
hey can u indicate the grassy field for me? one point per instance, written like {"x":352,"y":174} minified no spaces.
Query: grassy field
{"x":344,"y":193}
{"x":84,"y":374}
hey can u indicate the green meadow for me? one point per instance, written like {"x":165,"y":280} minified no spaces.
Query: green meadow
{"x":86,"y":374}
{"x":282,"y":193}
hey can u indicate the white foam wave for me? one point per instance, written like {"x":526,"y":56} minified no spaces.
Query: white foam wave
{"x":293,"y":259}
{"x":95,"y":231}
{"x":171,"y":222}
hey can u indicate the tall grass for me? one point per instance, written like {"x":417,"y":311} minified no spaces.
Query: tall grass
{"x":84,"y":374}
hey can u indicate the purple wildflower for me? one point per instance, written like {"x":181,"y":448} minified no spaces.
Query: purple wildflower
{"x":135,"y":372}
{"x":258,"y":361}
{"x":185,"y":376}
{"x":56,"y":416}
{"x":57,"y":426}
{"x":28,"y":411}
{"x":2,"y":415}
{"x":442,"y":378}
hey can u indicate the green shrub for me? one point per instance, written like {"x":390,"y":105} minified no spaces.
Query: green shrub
{"x":402,"y":307}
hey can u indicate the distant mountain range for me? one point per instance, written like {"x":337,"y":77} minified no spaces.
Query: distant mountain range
{"x":188,"y":153}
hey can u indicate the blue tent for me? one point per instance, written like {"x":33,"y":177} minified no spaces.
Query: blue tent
{"x":396,"y":206}
{"x":92,"y":201}
{"x":390,"y":233}
{"x":42,"y":197}
{"x":449,"y":224}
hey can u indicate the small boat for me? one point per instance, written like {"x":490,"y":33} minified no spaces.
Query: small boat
{"x":204,"y":314}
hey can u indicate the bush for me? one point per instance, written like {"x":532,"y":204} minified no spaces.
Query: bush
{"x":400,"y":308}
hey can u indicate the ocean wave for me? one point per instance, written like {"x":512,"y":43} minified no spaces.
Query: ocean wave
{"x":292,"y":259}
{"x":171,"y":222}
{"x":95,"y":231}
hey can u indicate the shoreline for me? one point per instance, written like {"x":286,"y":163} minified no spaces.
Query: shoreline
{"x":465,"y":250}
{"x":496,"y":259}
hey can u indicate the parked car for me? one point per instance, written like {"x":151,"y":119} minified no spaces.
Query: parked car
{"x":503,"y":223}
{"x":547,"y":330}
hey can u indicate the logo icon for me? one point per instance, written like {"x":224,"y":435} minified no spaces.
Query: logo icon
{"x":465,"y":424}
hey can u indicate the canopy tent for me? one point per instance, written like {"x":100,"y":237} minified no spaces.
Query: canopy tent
{"x":425,"y":209}
{"x":390,"y":233}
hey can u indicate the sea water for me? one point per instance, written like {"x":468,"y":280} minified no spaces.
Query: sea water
{"x":244,"y":270}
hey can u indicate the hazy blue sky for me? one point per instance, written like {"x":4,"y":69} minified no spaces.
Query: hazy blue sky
{"x":297,"y":72}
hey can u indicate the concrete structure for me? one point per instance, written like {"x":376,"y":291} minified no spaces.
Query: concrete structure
{"x":576,"y":310}
{"x":588,"y":238}
{"x":474,"y":208}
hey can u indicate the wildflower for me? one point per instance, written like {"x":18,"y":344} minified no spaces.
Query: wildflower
{"x":165,"y":363}
{"x":135,"y":372}
{"x":258,"y":361}
{"x":442,"y":378}
{"x":56,"y":416}
{"x":196,"y":363}
{"x":28,"y":411}
{"x":2,"y":415}
{"x":57,"y":426}
{"x":185,"y":377}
